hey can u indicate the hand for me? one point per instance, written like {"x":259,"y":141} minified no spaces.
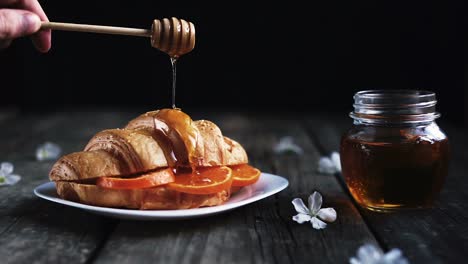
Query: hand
{"x":19,"y":18}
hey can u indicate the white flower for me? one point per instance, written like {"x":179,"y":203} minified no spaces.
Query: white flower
{"x":313,"y":213}
{"x":335,"y":157}
{"x":6,"y":178}
{"x":48,"y":151}
{"x":286,"y":145}
{"x":370,"y":254}
{"x":330,"y":165}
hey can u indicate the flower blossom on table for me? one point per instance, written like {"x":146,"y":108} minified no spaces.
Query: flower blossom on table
{"x":314,"y":214}
{"x":286,"y":145}
{"x":370,"y":254}
{"x":331,"y":164}
{"x":6,"y":176}
{"x":48,"y":151}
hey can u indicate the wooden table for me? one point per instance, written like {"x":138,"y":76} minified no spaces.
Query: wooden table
{"x":34,"y":230}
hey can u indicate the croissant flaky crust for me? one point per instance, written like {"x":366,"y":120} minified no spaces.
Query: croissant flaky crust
{"x":156,"y":139}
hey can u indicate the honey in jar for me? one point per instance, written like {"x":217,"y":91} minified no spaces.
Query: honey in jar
{"x":395,"y":155}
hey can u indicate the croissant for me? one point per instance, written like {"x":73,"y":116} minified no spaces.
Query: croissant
{"x":150,"y":143}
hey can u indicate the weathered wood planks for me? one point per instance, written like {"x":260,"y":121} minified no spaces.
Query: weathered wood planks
{"x":34,"y":230}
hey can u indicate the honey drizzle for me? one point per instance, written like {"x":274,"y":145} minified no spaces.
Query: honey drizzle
{"x":173,"y":128}
{"x":174,"y":75}
{"x":177,"y":137}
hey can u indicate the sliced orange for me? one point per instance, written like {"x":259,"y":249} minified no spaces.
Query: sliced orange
{"x":203,"y":180}
{"x":244,"y":174}
{"x":147,"y":180}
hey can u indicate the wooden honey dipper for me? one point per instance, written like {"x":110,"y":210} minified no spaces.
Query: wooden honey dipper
{"x":173,"y":36}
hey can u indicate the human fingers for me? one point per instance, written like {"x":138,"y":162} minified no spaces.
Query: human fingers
{"x":15,"y":23}
{"x":41,"y":39}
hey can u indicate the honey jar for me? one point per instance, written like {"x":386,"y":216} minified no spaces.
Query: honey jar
{"x":394,"y":155}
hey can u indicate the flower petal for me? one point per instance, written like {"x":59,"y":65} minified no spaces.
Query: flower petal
{"x":286,"y":145}
{"x":327,"y":214}
{"x":394,"y":256}
{"x":6,"y":168}
{"x":48,"y":151}
{"x":315,"y":203}
{"x":353,"y":260}
{"x":302,"y":218}
{"x":317,"y":223}
{"x":12,"y":179}
{"x":326,"y":166}
{"x":369,"y":253}
{"x":335,"y":158}
{"x":300,"y":206}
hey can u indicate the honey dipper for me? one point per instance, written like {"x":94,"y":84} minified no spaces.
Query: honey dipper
{"x":173,"y":36}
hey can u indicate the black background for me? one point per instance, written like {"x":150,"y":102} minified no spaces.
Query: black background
{"x":249,"y":55}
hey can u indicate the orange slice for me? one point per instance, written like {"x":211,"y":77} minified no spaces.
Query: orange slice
{"x":244,"y":174}
{"x":203,"y":180}
{"x":147,"y":180}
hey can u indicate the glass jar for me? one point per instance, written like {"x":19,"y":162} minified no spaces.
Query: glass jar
{"x":394,"y":155}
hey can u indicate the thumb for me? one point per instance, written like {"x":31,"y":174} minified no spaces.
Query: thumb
{"x":16,"y":23}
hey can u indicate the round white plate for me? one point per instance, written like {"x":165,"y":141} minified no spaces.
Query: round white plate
{"x":267,"y":185}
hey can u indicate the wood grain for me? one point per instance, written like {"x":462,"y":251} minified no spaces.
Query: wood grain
{"x":38,"y":231}
{"x":34,"y":230}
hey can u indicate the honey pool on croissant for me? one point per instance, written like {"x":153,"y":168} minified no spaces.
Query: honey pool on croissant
{"x":187,"y":173}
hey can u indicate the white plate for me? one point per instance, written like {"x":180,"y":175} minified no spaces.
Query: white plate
{"x":267,"y":185}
